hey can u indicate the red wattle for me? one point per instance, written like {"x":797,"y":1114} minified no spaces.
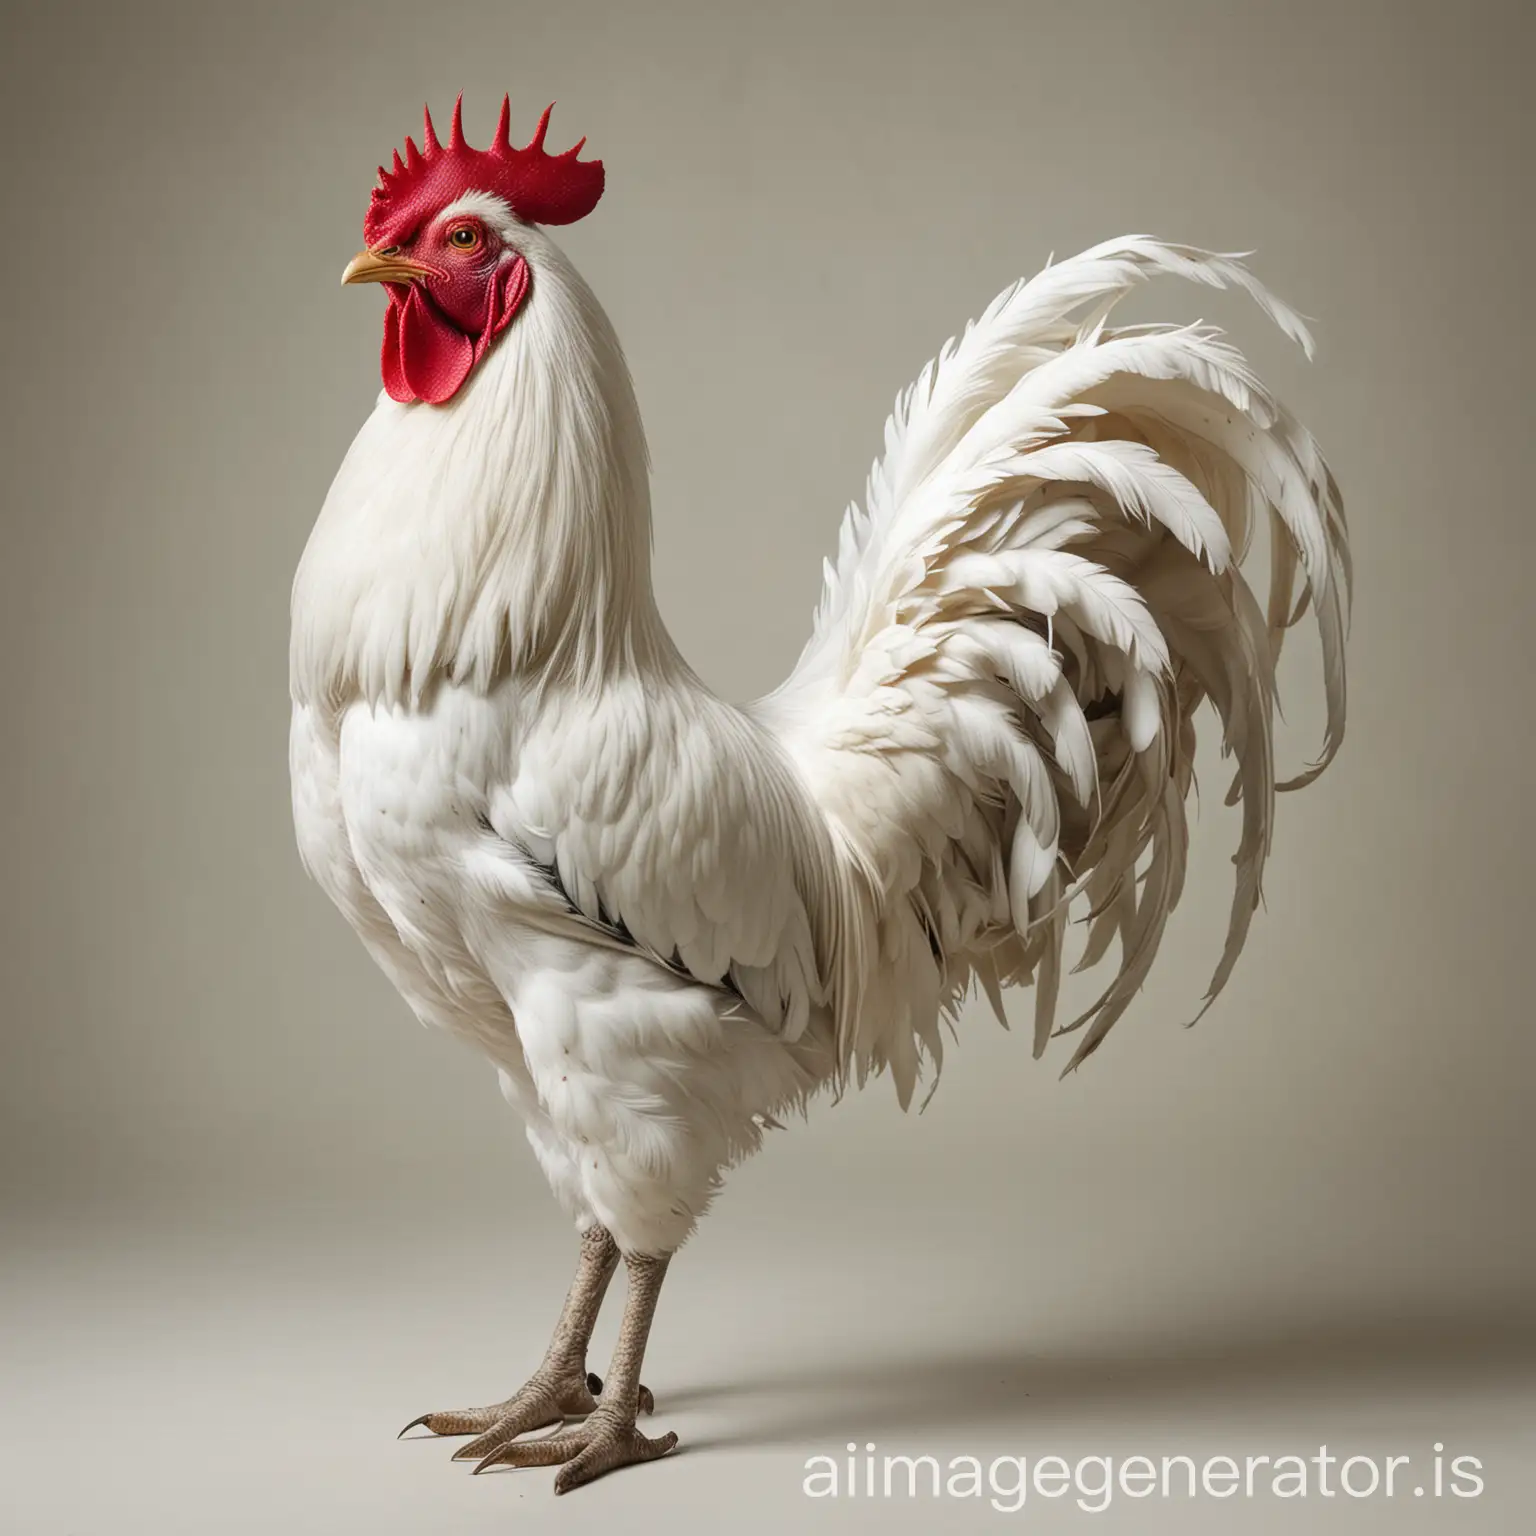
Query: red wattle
{"x":390,"y":365}
{"x":425,"y":356}
{"x":434,"y":354}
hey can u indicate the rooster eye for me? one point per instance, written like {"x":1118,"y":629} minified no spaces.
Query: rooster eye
{"x":464,"y":238}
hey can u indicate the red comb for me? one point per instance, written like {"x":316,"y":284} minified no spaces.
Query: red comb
{"x":539,"y":187}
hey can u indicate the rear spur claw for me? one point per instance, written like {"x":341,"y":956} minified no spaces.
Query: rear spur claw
{"x":645,"y":1401}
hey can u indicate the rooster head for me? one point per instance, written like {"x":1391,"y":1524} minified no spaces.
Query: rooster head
{"x":442,"y":235}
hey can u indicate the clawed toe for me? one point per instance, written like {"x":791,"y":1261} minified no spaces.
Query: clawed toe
{"x":504,"y":1432}
{"x":602,"y":1444}
{"x":545,"y":1400}
{"x":460,"y":1421}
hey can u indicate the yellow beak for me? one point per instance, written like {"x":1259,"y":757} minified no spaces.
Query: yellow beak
{"x":379,"y":267}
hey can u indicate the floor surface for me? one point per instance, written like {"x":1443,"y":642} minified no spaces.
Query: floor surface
{"x":244,"y":1368}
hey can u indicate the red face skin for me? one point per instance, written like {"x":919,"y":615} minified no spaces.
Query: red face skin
{"x":459,"y":284}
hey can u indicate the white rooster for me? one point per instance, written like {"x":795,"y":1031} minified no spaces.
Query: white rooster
{"x":666,"y":918}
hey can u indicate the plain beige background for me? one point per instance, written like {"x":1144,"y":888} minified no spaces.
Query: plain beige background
{"x":255,"y":1218}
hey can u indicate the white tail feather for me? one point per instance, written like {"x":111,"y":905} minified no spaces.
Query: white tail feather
{"x":996,"y":706}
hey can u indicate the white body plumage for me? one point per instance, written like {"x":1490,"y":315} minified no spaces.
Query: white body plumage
{"x":665,"y":918}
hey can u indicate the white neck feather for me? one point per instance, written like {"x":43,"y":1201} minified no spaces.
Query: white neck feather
{"x":507,"y":532}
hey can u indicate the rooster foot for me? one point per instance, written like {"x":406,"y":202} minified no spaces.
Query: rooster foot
{"x":605,"y":1441}
{"x":548,"y":1398}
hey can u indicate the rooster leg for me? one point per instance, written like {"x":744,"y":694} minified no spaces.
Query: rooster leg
{"x":608,"y":1438}
{"x":560,"y":1388}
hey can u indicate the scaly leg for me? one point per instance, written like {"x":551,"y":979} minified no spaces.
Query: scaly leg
{"x":560,"y":1388}
{"x":608,"y":1438}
